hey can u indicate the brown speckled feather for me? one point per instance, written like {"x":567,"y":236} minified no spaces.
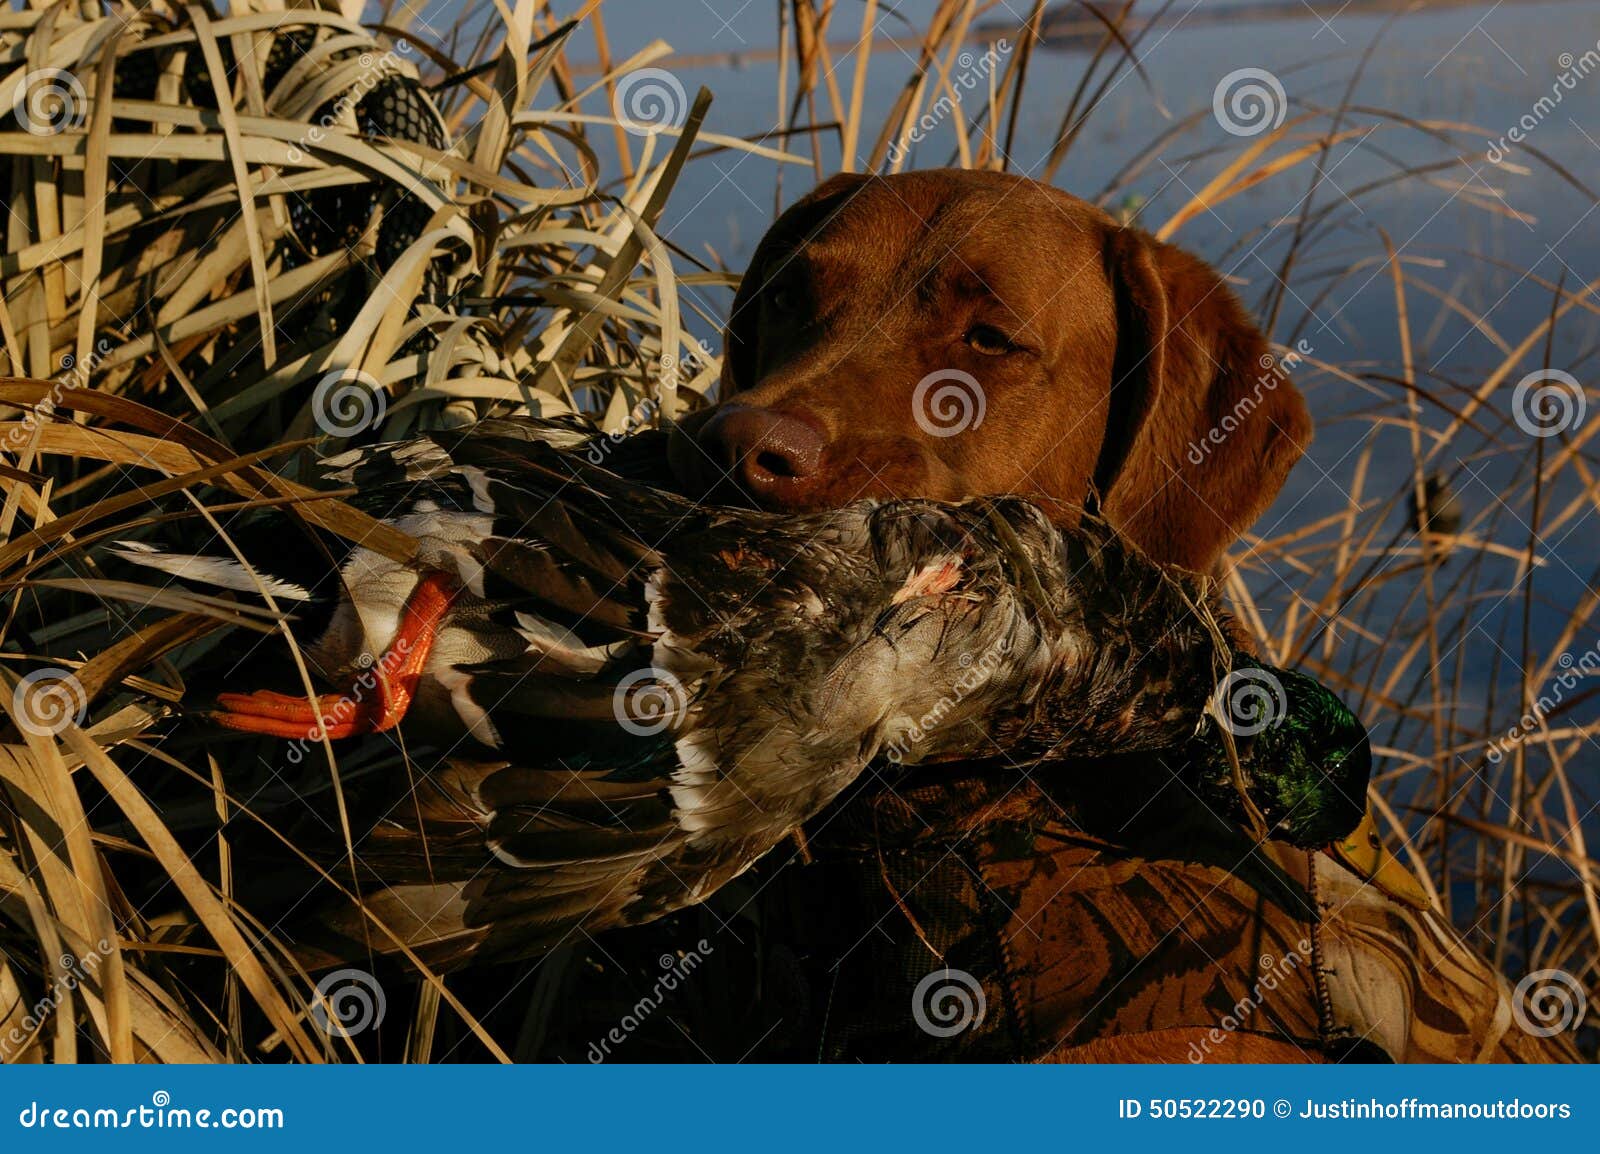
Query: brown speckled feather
{"x":636,"y":698}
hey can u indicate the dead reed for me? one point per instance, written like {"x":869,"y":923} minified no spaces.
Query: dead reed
{"x":177,"y":315}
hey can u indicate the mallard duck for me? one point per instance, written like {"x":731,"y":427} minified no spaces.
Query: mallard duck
{"x":627,"y":699}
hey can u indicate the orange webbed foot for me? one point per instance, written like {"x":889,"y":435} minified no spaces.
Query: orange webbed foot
{"x":376,"y":699}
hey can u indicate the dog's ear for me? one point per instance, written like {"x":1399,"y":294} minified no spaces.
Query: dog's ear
{"x":1136,"y":372}
{"x":740,"y":354}
{"x":1204,"y":425}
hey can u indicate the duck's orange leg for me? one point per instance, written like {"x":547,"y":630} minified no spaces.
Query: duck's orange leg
{"x":376,"y":699}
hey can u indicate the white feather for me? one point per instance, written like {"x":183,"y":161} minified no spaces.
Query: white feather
{"x":223,"y":572}
{"x":473,"y":715}
{"x":478,"y":481}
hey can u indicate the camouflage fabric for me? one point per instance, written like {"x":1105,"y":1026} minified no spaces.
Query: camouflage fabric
{"x":1162,"y":935}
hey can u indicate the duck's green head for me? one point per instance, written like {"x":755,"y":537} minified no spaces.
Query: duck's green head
{"x":1305,"y":756}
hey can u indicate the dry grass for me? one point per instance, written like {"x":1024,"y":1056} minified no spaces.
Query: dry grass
{"x":200,"y":333}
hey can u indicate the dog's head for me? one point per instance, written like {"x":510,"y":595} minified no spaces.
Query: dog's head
{"x":949,"y":333}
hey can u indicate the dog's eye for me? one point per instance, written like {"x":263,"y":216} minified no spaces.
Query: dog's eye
{"x":989,"y":341}
{"x":783,"y":299}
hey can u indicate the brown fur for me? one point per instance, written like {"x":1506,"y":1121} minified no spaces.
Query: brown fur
{"x":1129,"y":352}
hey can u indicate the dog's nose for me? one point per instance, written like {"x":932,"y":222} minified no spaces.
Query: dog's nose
{"x":775,"y":457}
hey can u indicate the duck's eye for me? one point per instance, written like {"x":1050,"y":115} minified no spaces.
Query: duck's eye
{"x":989,"y":341}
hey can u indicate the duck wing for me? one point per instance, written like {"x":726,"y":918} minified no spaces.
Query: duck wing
{"x":633,"y":698}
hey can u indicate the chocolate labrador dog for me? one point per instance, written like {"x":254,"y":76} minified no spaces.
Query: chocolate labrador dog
{"x":946,"y":334}
{"x":950,"y":333}
{"x":1073,"y":359}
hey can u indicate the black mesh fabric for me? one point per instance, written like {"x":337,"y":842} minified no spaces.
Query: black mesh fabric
{"x":821,"y":960}
{"x":396,"y":107}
